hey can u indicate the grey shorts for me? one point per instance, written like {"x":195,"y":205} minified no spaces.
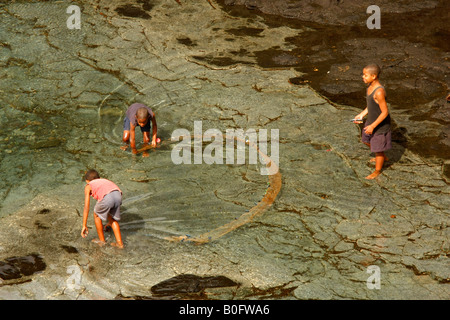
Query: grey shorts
{"x":110,"y":204}
{"x":378,"y":142}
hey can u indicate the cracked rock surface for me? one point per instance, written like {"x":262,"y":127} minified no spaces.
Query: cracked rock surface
{"x":333,"y":44}
{"x":63,"y":96}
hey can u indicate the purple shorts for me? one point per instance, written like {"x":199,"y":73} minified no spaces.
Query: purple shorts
{"x":379,"y":142}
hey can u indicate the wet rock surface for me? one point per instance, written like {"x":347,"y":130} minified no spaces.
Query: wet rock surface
{"x":334,"y":44}
{"x":181,"y":285}
{"x":17,"y":268}
{"x":64,"y":93}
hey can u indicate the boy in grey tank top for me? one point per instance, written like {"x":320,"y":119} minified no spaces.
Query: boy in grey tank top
{"x":377,"y":129}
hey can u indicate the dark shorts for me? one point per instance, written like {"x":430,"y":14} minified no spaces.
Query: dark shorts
{"x":126,"y":125}
{"x":110,"y":204}
{"x":379,"y":142}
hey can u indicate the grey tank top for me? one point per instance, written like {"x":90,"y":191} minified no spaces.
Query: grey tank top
{"x":374,"y":111}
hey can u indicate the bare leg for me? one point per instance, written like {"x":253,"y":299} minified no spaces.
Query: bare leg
{"x":379,"y":161}
{"x":116,"y":229}
{"x":146,"y":142}
{"x":99,"y":226}
{"x":374,"y":159}
{"x":125,"y":139}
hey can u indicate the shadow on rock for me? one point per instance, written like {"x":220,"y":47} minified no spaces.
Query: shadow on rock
{"x":18,"y":269}
{"x":182,"y":286}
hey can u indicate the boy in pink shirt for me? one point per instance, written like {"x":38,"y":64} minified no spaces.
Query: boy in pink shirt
{"x":107,"y":208}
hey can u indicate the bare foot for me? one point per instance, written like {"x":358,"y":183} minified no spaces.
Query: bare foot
{"x":117,"y":245}
{"x":100,"y":243}
{"x":145,"y":154}
{"x":124,"y":148}
{"x":373,"y":175}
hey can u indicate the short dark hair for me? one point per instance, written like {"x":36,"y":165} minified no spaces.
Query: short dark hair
{"x":374,"y":69}
{"x":142,"y":113}
{"x":91,"y":174}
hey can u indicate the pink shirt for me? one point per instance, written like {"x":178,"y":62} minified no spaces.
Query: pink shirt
{"x":101,"y":187}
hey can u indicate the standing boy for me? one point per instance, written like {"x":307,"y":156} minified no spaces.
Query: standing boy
{"x":377,"y":129}
{"x":139,"y":114}
{"x":107,"y":208}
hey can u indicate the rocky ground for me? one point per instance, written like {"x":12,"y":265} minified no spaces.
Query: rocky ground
{"x":411,"y":47}
{"x":192,"y":61}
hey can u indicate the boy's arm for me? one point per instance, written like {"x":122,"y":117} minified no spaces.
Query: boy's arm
{"x":362,"y":114}
{"x":133,"y":138}
{"x":381,"y":100}
{"x":87,"y":197}
{"x":155,"y":131}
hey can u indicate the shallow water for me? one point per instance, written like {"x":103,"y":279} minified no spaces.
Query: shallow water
{"x":60,"y":109}
{"x":62,"y":115}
